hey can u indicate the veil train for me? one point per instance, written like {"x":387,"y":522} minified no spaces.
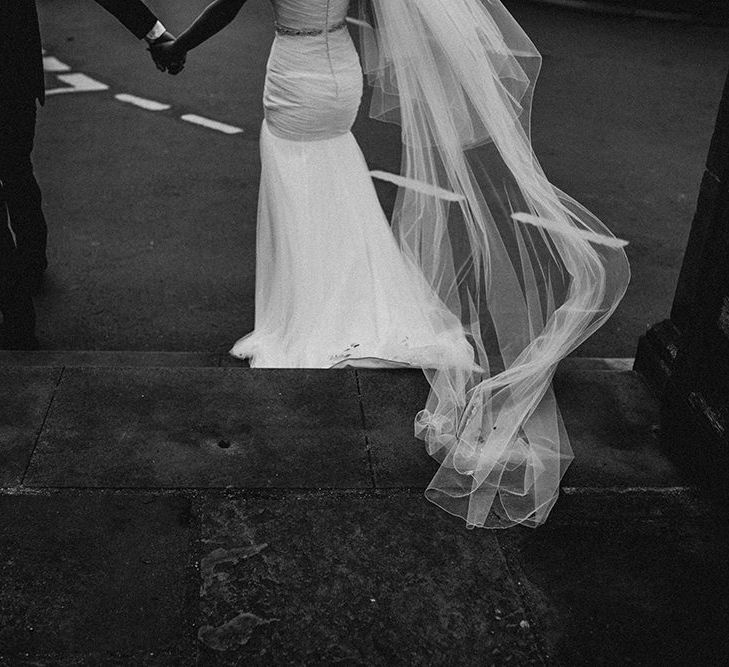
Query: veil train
{"x":529,"y":271}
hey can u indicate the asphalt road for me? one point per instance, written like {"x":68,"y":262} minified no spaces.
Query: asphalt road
{"x":152,"y":218}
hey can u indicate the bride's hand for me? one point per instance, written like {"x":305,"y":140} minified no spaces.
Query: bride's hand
{"x":168,"y":56}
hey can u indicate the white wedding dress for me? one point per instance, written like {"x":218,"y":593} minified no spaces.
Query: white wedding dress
{"x":487,"y":275}
{"x":333,"y":288}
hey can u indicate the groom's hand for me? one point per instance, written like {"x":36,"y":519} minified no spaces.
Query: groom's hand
{"x":165,"y":56}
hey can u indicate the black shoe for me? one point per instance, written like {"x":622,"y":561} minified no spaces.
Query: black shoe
{"x":18,"y":330}
{"x":13,"y":341}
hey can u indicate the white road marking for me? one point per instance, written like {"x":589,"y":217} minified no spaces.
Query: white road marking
{"x":51,"y":64}
{"x":150,"y":105}
{"x":359,"y":24}
{"x":78,"y":83}
{"x":212,"y":124}
{"x":81,"y":83}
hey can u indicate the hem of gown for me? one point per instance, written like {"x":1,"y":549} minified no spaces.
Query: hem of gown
{"x":250,"y":350}
{"x":371,"y":362}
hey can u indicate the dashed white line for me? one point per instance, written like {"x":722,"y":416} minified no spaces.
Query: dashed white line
{"x":212,"y":124}
{"x":81,"y":83}
{"x":77,"y":83}
{"x":150,"y":105}
{"x":51,"y":64}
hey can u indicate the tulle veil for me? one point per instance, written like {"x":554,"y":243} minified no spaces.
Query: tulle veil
{"x":530,"y":272}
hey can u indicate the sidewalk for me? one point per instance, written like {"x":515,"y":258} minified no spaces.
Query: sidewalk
{"x":179,"y":509}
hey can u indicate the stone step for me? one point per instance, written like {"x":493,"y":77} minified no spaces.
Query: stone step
{"x":161,"y":359}
{"x":178,"y":420}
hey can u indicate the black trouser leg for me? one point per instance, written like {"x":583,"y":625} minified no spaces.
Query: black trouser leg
{"x":20,"y":189}
{"x":22,"y":225}
{"x":18,"y":331}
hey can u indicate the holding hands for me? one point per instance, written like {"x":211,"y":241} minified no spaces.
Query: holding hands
{"x":167,"y":56}
{"x":169,"y":53}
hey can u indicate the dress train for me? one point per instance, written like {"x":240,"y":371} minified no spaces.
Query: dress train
{"x":333,"y":288}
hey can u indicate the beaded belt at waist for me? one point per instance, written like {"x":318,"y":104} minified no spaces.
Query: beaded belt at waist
{"x":306,"y":32}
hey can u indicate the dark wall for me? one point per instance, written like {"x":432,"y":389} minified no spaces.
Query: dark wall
{"x":686,"y":357}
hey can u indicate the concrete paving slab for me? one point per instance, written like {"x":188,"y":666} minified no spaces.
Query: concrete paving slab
{"x":612,"y":420}
{"x":610,"y":416}
{"x":353,"y":578}
{"x":96,"y":579}
{"x":202,"y":427}
{"x":584,"y":505}
{"x":390,"y":401}
{"x":25,"y":395}
{"x":607,"y":587}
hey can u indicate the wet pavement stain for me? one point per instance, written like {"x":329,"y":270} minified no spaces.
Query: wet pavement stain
{"x":218,"y":557}
{"x":235,"y":632}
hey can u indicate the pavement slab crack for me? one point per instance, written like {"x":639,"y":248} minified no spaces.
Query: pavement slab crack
{"x":43,"y":424}
{"x":368,"y":447}
{"x":531,"y":623}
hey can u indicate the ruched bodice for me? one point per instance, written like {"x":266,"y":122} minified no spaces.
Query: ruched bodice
{"x":313,"y":80}
{"x":303,"y":14}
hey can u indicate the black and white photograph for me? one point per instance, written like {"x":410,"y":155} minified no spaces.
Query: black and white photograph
{"x":364,"y":332}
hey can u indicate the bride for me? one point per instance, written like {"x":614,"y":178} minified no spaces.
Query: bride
{"x":486,"y":276}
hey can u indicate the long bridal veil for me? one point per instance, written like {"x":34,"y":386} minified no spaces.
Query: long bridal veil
{"x":529,"y":271}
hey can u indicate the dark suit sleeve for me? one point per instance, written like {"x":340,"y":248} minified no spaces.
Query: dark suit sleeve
{"x":134,"y":14}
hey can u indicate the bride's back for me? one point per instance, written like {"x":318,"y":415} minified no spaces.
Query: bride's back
{"x":309,"y":13}
{"x":314,"y":78}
